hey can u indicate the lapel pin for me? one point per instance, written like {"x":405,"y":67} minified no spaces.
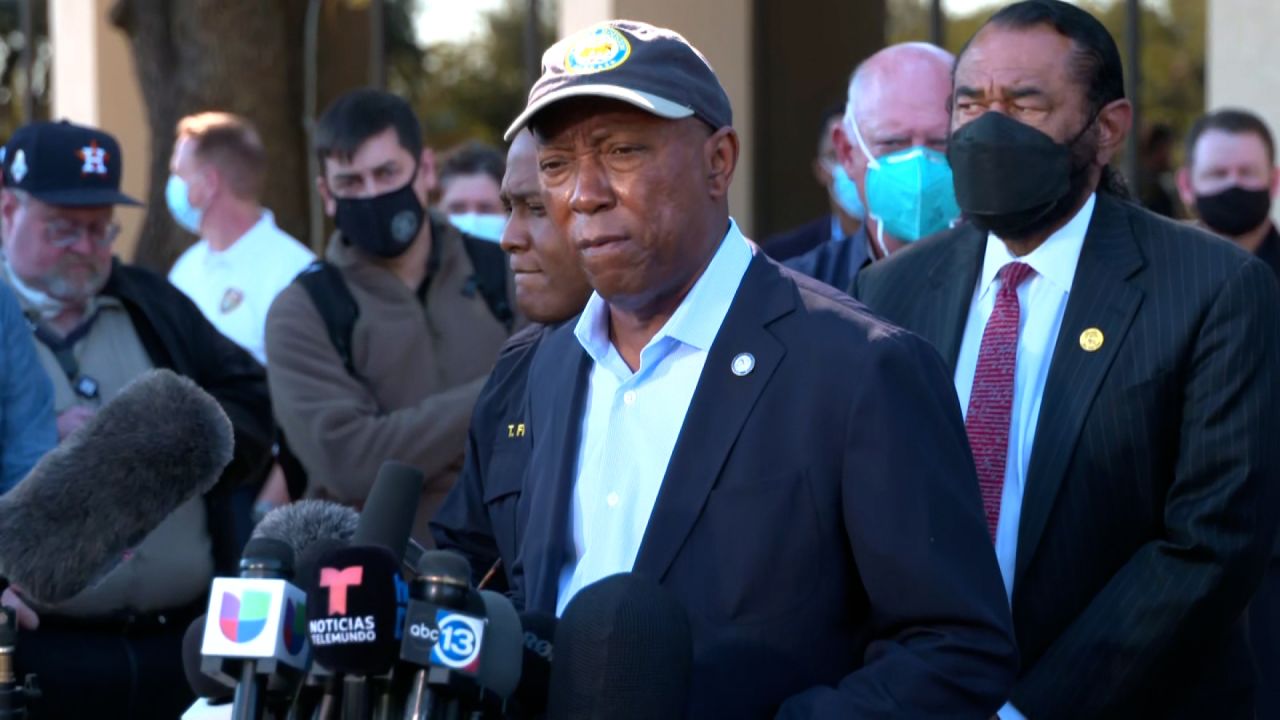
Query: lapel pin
{"x":1091,"y":340}
{"x":743,"y":364}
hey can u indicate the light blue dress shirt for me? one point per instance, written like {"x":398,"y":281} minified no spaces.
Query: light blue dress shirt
{"x":631,"y":420}
{"x":1042,"y":301}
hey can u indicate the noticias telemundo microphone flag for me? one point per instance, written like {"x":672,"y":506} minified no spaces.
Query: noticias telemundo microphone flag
{"x":257,"y":618}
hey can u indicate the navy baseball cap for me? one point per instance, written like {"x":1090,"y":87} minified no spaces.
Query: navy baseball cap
{"x":63,"y":164}
{"x":652,"y":68}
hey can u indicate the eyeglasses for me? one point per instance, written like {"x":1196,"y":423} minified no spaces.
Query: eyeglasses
{"x":63,"y":234}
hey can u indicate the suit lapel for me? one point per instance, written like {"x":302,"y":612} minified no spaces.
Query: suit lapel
{"x":720,"y":406}
{"x":560,"y":370}
{"x":951,"y":281}
{"x":1102,"y":299}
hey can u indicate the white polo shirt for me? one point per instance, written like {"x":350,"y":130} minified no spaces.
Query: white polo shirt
{"x":234,"y":288}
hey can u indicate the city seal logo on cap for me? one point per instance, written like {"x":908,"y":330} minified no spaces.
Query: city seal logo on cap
{"x":596,"y":50}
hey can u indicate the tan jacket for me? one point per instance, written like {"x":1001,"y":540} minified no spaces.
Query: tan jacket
{"x":419,"y":374}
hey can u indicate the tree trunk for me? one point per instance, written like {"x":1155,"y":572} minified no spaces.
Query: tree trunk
{"x":240,"y":56}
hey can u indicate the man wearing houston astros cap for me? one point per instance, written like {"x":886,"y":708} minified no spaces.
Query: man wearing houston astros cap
{"x":794,"y":470}
{"x":115,"y":649}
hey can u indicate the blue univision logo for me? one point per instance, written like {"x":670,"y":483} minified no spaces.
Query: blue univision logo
{"x":458,"y":645}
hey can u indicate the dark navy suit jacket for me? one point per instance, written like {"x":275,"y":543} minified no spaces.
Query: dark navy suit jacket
{"x":819,"y":518}
{"x":1154,"y":481}
{"x":478,"y":518}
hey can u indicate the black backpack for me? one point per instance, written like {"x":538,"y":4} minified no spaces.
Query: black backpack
{"x":332,"y":298}
{"x":337,"y":307}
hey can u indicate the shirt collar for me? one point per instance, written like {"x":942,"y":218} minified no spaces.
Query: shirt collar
{"x":266,"y":222}
{"x":1056,"y":258}
{"x":698,"y":318}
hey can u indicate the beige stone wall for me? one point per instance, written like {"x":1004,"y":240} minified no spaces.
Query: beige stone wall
{"x":94,"y":84}
{"x":1243,"y":59}
{"x":722,"y":30}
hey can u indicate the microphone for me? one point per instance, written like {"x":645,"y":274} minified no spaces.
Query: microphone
{"x":535,"y":673}
{"x":192,"y":660}
{"x":444,"y":635}
{"x":15,"y":697}
{"x":387,"y":517}
{"x":159,"y":443}
{"x":256,"y":625}
{"x":624,"y":651}
{"x":501,"y":653}
{"x":306,"y":522}
{"x":353,"y":623}
{"x":202,"y":685}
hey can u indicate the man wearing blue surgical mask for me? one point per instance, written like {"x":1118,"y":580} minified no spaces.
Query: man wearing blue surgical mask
{"x":241,"y":260}
{"x":893,"y":141}
{"x":470,"y":176}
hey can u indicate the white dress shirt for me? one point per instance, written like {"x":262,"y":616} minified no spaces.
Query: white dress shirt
{"x":632,"y":420}
{"x":1042,"y":299}
{"x":234,"y":288}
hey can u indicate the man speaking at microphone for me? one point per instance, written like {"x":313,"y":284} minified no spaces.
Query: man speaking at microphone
{"x":114,"y":650}
{"x":792,"y":468}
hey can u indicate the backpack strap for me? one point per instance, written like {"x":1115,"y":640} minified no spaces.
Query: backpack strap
{"x":337,"y":307}
{"x":490,"y":263}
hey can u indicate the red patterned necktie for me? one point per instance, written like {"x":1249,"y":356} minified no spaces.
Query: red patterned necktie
{"x":991,"y":399}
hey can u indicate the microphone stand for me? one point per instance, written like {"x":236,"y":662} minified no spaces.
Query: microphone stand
{"x":356,"y":698}
{"x":248,"y":703}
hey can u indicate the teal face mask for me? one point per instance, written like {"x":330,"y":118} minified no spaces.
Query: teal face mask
{"x":483,"y":226}
{"x":845,"y":192}
{"x":910,"y":192}
{"x":184,"y":213}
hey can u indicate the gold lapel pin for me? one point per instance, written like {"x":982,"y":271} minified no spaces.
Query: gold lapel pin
{"x":1091,"y":340}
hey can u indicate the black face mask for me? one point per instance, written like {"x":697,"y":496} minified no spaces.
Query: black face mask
{"x":1234,"y":211}
{"x":385,"y":225}
{"x":1013,"y":180}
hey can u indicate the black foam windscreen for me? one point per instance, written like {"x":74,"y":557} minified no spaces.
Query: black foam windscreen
{"x":539,"y":631}
{"x":267,"y":557}
{"x":159,"y":443}
{"x":624,"y":651}
{"x":387,"y":517}
{"x":501,"y":653}
{"x":307,"y":521}
{"x":445,"y":566}
{"x":352,"y":611}
{"x":202,"y":685}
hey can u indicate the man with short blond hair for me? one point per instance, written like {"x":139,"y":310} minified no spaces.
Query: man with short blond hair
{"x":242,"y":260}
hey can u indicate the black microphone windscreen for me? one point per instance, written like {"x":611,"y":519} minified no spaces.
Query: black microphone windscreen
{"x":304,"y":522}
{"x":159,"y":443}
{"x":387,"y":517}
{"x":445,"y":566}
{"x":202,"y":685}
{"x":624,"y":651}
{"x":501,"y":650}
{"x":535,"y":669}
{"x":267,"y":557}
{"x":352,"y":611}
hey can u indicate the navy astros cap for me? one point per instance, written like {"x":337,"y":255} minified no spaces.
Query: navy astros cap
{"x":652,"y":68}
{"x":66,"y":165}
